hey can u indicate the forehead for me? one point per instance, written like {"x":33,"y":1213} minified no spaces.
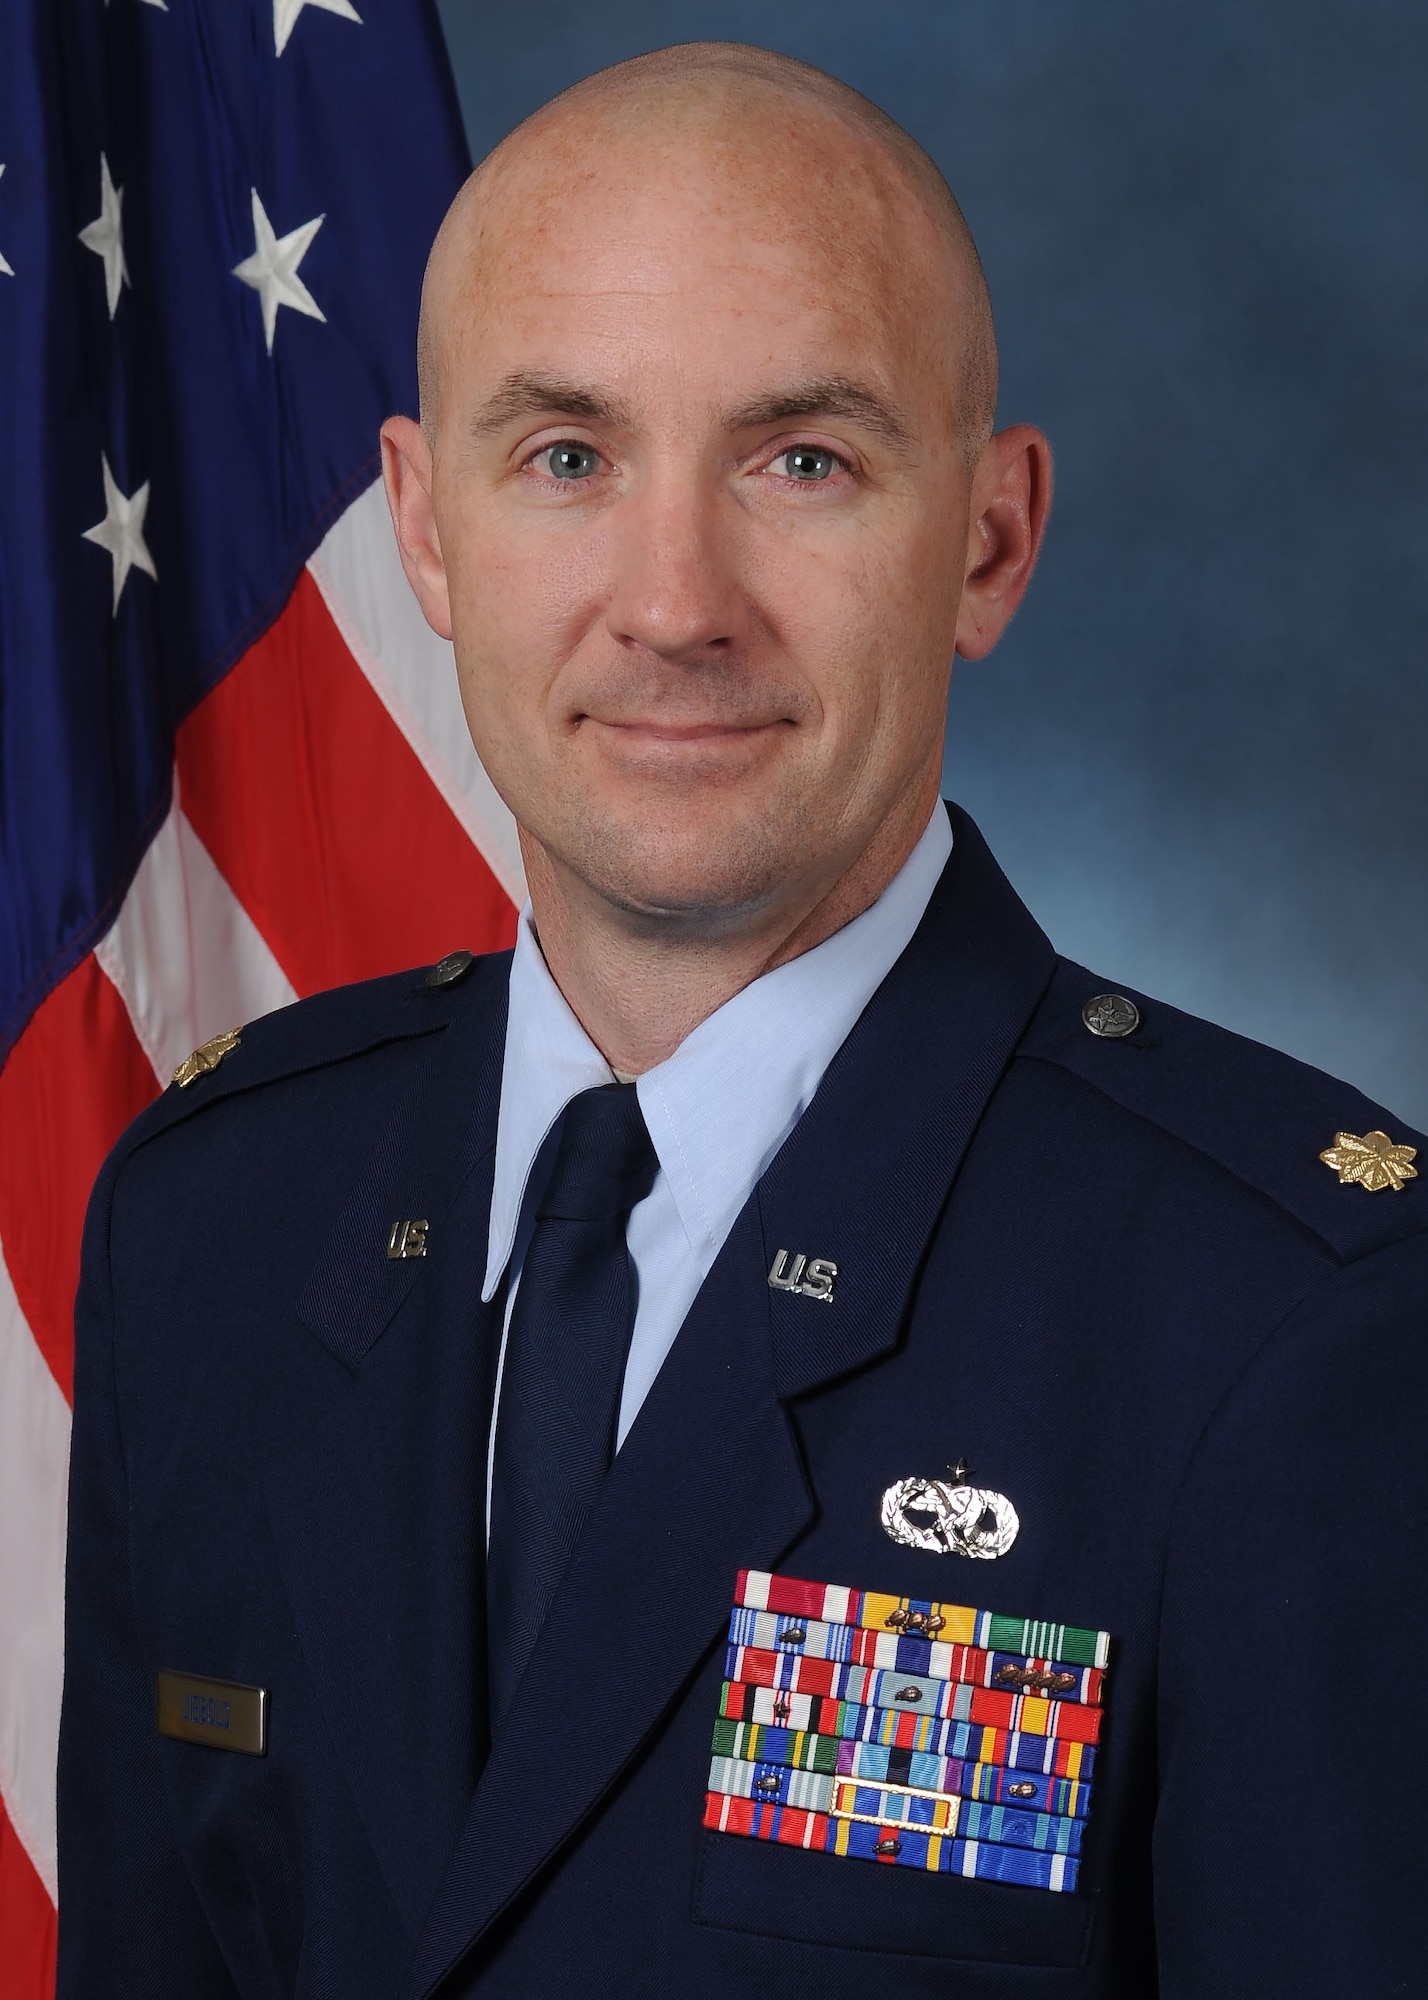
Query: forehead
{"x":677,"y":250}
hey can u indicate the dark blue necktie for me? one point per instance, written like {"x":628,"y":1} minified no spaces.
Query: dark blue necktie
{"x":565,"y":1364}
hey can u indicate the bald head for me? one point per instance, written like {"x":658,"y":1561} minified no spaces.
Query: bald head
{"x":772,"y":143}
{"x":705,"y":492}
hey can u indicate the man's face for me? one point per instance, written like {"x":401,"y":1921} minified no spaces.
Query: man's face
{"x":703,"y":513}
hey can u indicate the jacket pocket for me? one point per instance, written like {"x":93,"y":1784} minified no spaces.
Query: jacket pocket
{"x":776,"y":1891}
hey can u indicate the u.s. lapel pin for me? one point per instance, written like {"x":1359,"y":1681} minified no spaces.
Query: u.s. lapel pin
{"x":407,"y":1239}
{"x":810,"y":1277}
{"x":950,"y":1517}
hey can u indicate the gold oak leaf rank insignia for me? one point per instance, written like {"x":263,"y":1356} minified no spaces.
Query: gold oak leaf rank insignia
{"x":1374,"y":1161}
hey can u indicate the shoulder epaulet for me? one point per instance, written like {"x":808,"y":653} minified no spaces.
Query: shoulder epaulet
{"x":1264,"y":1117}
{"x":326,"y":1028}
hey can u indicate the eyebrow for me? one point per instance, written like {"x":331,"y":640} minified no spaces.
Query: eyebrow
{"x":534,"y":393}
{"x":827,"y":396}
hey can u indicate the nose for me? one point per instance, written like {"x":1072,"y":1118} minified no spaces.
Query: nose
{"x":676,"y":587}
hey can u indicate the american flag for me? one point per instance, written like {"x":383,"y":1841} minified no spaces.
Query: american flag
{"x":233,"y":764}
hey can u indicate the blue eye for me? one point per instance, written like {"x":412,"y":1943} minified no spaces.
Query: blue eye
{"x":807,"y":463}
{"x":568,"y":460}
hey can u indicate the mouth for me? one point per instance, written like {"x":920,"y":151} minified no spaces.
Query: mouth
{"x":677,"y":735}
{"x":711,"y":753}
{"x":691,"y":733}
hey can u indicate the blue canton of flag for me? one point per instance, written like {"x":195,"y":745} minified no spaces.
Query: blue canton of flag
{"x":214,"y":216}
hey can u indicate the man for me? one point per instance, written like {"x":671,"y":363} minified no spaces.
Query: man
{"x":1034,"y":1373}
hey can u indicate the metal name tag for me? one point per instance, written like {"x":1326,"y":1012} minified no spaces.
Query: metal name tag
{"x":223,"y":1714}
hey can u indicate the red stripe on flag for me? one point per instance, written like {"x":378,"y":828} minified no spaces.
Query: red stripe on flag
{"x":321,"y":818}
{"x":72,"y":1083}
{"x":27,"y":1922}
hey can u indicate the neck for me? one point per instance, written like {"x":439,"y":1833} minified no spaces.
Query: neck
{"x":638,"y":993}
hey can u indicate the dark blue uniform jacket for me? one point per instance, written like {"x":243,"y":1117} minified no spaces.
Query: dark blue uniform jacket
{"x":1114,"y":1275}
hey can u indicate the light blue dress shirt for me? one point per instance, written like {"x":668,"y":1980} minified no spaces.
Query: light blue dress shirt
{"x":717,"y":1110}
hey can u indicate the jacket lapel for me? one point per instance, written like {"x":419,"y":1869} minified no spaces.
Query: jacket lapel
{"x":709,"y":1479}
{"x":868,"y":1170}
{"x":377,"y":1518}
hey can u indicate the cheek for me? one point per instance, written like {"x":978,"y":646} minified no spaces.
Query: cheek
{"x":522,"y":601}
{"x":869,"y":615}
{"x":567,"y":578}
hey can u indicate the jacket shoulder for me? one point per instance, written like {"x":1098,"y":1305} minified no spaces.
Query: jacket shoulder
{"x":1261,"y":1115}
{"x":341,"y":1025}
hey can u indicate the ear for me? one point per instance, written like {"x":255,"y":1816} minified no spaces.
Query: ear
{"x":406,"y":474}
{"x":1011,"y":497}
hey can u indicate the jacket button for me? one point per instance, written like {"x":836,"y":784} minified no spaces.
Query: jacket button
{"x":1110,"y":1016}
{"x":448,"y":970}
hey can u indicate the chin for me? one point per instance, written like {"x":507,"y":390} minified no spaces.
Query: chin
{"x":699,"y":869}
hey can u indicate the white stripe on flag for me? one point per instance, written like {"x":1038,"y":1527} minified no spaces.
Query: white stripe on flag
{"x":413,"y":673}
{"x":187,"y":958}
{"x":34,"y":1475}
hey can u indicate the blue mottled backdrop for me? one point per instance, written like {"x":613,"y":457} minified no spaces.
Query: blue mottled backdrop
{"x":1200,"y":752}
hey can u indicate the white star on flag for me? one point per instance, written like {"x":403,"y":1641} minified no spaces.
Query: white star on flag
{"x":5,"y":268}
{"x":285,"y":13}
{"x":272,"y":270}
{"x":121,"y":532}
{"x":105,"y":236}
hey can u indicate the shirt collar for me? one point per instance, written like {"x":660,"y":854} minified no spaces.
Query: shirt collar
{"x":720,"y":1107}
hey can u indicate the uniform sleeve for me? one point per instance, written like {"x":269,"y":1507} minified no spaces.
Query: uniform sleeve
{"x":1290,"y":1852}
{"x":129,"y":1921}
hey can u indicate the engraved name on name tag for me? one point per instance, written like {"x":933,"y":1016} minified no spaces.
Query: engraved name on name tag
{"x":223,"y":1714}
